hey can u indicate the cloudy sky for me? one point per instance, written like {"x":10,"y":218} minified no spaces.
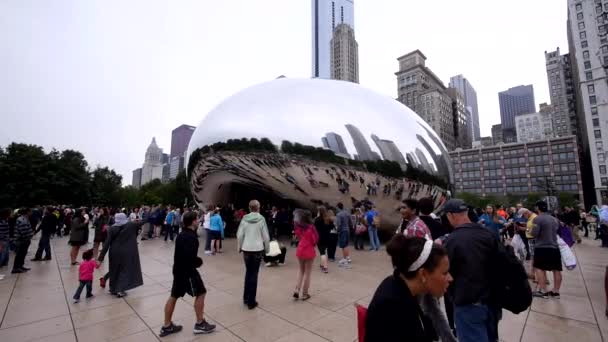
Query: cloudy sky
{"x":104,"y":77}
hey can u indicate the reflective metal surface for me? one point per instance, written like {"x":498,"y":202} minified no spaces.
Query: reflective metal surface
{"x":312,"y":141}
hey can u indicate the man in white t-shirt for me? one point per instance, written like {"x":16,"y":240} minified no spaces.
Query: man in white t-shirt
{"x":206,"y":226}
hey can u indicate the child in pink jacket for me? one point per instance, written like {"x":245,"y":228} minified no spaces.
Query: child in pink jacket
{"x":308,"y":238}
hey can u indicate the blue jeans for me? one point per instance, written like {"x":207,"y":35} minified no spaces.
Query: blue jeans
{"x":374,"y":242}
{"x":4,"y":253}
{"x":477,"y":322}
{"x":83,"y":283}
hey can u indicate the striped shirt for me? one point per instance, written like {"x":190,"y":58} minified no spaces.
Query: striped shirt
{"x":23,"y":229}
{"x":4,"y":233}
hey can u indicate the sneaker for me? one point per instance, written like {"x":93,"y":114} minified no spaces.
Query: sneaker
{"x":171,"y":329}
{"x":25,"y":268}
{"x":208,"y":252}
{"x":121,"y":294}
{"x":1,"y":276}
{"x":539,"y":294}
{"x":204,"y":327}
{"x":102,"y":282}
{"x":36,"y":259}
{"x":76,"y":301}
{"x":554,"y":295}
{"x":268,"y":264}
{"x":18,"y":270}
{"x":91,"y":296}
{"x":252,"y":306}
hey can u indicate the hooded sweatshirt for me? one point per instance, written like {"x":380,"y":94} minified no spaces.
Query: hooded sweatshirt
{"x":253,"y":235}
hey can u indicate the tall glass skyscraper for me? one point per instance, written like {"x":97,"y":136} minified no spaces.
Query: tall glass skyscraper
{"x":515,"y":101}
{"x":326,"y":15}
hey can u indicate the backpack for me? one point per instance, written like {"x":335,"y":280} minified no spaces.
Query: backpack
{"x":510,"y":281}
{"x":376,"y":221}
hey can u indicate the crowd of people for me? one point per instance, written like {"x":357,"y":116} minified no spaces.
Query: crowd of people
{"x":453,"y":253}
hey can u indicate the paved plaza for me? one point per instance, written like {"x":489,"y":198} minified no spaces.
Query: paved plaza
{"x":37,"y":306}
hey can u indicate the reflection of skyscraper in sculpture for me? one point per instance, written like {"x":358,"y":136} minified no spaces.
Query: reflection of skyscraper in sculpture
{"x":389,"y":151}
{"x":443,"y":167}
{"x":411,"y":160}
{"x":334,"y":142}
{"x":364,"y":152}
{"x":424,"y":161}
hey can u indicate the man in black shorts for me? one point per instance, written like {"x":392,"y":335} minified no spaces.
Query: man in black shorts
{"x":186,"y":279}
{"x":547,"y":256}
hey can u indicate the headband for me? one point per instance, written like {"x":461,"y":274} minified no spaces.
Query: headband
{"x":424,"y":256}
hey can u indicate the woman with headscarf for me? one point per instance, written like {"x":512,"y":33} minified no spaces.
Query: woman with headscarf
{"x":79,"y":234}
{"x":124,"y":267}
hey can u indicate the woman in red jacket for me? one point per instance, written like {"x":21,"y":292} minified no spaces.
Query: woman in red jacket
{"x":308,"y":237}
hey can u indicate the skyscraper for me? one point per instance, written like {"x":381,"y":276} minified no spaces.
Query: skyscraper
{"x":424,"y":93}
{"x":364,"y":152}
{"x":588,"y":42}
{"x":136,"y":182}
{"x":344,"y":54}
{"x":334,"y":142}
{"x":470,"y":100}
{"x":390,"y":151}
{"x":326,"y":16}
{"x":514,"y":101}
{"x":562,"y":93}
{"x":153,"y":166}
{"x":180,"y":138}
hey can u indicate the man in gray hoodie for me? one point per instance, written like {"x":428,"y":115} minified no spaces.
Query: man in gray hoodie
{"x":253,"y":242}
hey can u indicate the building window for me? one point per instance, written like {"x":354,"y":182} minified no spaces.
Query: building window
{"x":599,"y":145}
{"x":587,"y":65}
{"x":605,"y":60}
{"x":598,"y":9}
{"x":604,"y":181}
{"x":602,"y":169}
{"x":579,"y":16}
{"x":585,"y":54}
{"x":596,"y":122}
{"x":588,"y":75}
{"x":584,"y":44}
{"x":579,"y":7}
{"x":597,"y":133}
{"x":593,"y":110}
{"x":601,"y":157}
{"x":581,"y":25}
{"x":591,"y":88}
{"x":583,"y":35}
{"x":592,"y":100}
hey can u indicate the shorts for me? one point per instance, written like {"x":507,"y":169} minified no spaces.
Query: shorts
{"x":215,"y":234}
{"x":547,"y":259}
{"x":322,"y":248}
{"x":192,"y":285}
{"x":343,"y":238}
{"x":531,"y":247}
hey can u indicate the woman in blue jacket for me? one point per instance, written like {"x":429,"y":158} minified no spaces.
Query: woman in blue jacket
{"x":491,"y":220}
{"x":216,"y":228}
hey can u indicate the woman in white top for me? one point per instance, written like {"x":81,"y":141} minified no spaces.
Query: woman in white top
{"x":205,"y":223}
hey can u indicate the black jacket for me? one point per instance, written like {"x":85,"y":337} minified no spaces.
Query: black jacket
{"x":186,"y":254}
{"x":48,"y":225}
{"x":394,"y":315}
{"x":436,"y":228}
{"x":471,"y":250}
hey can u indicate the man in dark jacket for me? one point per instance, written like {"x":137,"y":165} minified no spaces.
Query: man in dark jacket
{"x":471,"y":249}
{"x":23,"y":238}
{"x":48,"y":226}
{"x":426,"y":206}
{"x":186,"y":279}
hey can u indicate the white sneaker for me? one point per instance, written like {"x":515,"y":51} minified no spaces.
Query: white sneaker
{"x":76,"y":301}
{"x":1,"y":276}
{"x":208,"y":252}
{"x":268,"y":264}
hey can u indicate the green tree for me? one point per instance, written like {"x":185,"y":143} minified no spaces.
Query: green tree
{"x":105,"y":187}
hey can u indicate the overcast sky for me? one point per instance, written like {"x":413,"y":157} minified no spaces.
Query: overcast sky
{"x":104,"y":77}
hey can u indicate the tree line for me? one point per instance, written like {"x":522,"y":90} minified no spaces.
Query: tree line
{"x":29,"y":176}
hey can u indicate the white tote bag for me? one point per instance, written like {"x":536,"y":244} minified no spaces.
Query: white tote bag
{"x":568,"y":257}
{"x":519,"y":247}
{"x":274,"y":249}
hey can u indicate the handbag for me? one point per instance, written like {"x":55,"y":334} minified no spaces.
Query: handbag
{"x":361,"y":229}
{"x":273,"y":249}
{"x":568,"y":258}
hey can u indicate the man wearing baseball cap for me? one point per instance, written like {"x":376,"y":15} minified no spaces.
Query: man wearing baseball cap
{"x":471,"y":248}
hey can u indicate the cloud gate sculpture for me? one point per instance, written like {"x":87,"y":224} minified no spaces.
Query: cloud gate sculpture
{"x":306,"y":142}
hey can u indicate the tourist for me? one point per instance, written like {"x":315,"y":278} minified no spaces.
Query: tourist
{"x":425,"y":207}
{"x":253,"y":242}
{"x":360,"y":228}
{"x":323,"y":225}
{"x":308,"y":237}
{"x":344,"y":224}
{"x":415,"y":227}
{"x":176,"y":222}
{"x":23,"y":238}
{"x":206,"y":227}
{"x":121,"y":244}
{"x":101,"y":224}
{"x":85,"y":271}
{"x":48,"y":226}
{"x":168,"y":224}
{"x":372,"y":219}
{"x":332,"y":244}
{"x":602,"y":227}
{"x":147,"y":223}
{"x":5,"y":213}
{"x":216,"y":227}
{"x":79,"y":234}
{"x":471,"y":249}
{"x":547,"y":256}
{"x":491,"y":220}
{"x":525,"y":225}
{"x":186,"y":279}
{"x":420,"y":267}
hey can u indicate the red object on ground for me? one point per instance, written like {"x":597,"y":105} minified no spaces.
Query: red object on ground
{"x":361,"y":316}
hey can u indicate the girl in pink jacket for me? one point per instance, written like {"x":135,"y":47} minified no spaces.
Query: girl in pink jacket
{"x":308,"y":237}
